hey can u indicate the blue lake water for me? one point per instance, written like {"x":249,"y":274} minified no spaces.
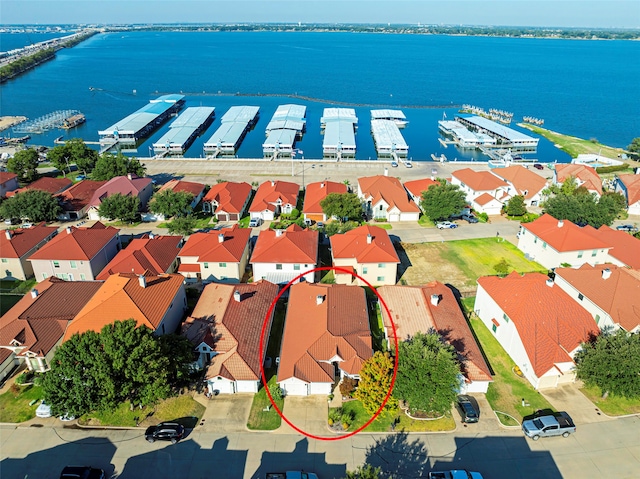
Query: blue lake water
{"x":584,"y":88}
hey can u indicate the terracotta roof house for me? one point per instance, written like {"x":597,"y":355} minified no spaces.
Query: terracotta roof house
{"x":611,"y":294}
{"x":315,"y":193}
{"x":225,"y":329}
{"x":585,"y":176}
{"x":418,"y":309}
{"x":47,"y":184}
{"x":554,"y":243}
{"x":366,"y":251}
{"x":279,"y":256}
{"x":158,"y":302}
{"x":77,"y":253}
{"x":484,"y":190}
{"x":539,"y":325}
{"x":227,"y":201}
{"x":32,"y":329}
{"x":75,"y":200}
{"x":196,"y":189}
{"x":416,"y":187}
{"x":8,"y":182}
{"x":17,"y":245}
{"x":126,"y":186}
{"x":523,"y":182}
{"x":629,"y":186}
{"x":274,"y":198}
{"x":218,"y":255}
{"x":625,"y":248}
{"x":326,"y":337}
{"x":384,"y":197}
{"x":153,"y":254}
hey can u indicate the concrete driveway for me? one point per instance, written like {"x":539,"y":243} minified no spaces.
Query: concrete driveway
{"x":225,"y":412}
{"x":569,"y":398}
{"x":308,"y":413}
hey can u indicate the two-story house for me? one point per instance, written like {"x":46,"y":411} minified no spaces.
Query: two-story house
{"x":227,"y":201}
{"x":629,"y":187}
{"x":274,"y":198}
{"x":75,"y":200}
{"x":485,"y":192}
{"x":129,"y":185}
{"x":16,"y":245}
{"x":315,"y":193}
{"x":584,"y":175}
{"x":415,"y":188}
{"x":385,"y":198}
{"x":524,"y":182}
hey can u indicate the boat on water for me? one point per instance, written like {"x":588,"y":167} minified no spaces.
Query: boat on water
{"x":73,"y":121}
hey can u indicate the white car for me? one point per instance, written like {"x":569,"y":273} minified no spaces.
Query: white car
{"x":67,"y":417}
{"x":255,"y":222}
{"x":408,"y":164}
{"x":43,"y":410}
{"x":444,"y":225}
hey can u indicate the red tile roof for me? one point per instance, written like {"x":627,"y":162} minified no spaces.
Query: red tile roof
{"x":317,"y":333}
{"x":632,"y":182}
{"x":208,"y":247}
{"x":23,"y":239}
{"x":563,"y":236}
{"x":77,"y":243}
{"x":294,"y":245}
{"x":624,"y":246}
{"x":526,"y":182}
{"x":6,"y":176}
{"x":229,"y":196}
{"x":479,"y":180}
{"x":121,"y":297}
{"x":144,"y":254}
{"x":353,"y":244}
{"x":78,"y":196}
{"x":233,"y":329}
{"x":586,"y":175}
{"x":39,"y":323}
{"x":178,"y":185}
{"x":549,"y":322}
{"x":484,"y":199}
{"x":389,"y":189}
{"x":270,"y":192}
{"x":412,"y":312}
{"x":122,"y":185}
{"x":416,"y":187}
{"x":618,"y":295}
{"x":46,"y":183}
{"x":316,"y":192}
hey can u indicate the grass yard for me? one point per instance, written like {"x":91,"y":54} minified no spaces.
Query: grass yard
{"x":263,"y":417}
{"x":460,"y":263}
{"x":613,"y":405}
{"x":426,"y":222}
{"x":14,"y":404}
{"x":384,"y":226}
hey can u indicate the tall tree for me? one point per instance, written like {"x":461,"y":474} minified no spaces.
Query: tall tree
{"x":428,"y":373}
{"x":37,"y":205}
{"x":60,"y":157}
{"x":611,"y":362}
{"x":634,"y":147}
{"x":120,"y":207}
{"x":516,"y":206}
{"x":109,"y":166}
{"x":442,"y":201}
{"x":182,"y":225}
{"x":84,"y":157}
{"x":24,"y":163}
{"x":171,"y":203}
{"x":343,"y":206}
{"x":376,"y":375}
{"x":585,"y":208}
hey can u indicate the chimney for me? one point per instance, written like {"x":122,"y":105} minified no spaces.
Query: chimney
{"x":560,"y":223}
{"x":278,"y":233}
{"x":8,"y":234}
{"x":435,"y":299}
{"x":386,"y":171}
{"x":68,"y":230}
{"x":369,"y":239}
{"x":142,"y":280}
{"x":606,"y":273}
{"x":319,"y":299}
{"x":550,"y":283}
{"x":322,"y":185}
{"x":34,"y":293}
{"x":237,"y":296}
{"x":151,"y":236}
{"x":273,"y":183}
{"x":220,"y":237}
{"x":129,"y":176}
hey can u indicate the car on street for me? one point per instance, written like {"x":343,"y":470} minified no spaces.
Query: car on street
{"x":443,"y":225}
{"x":394,"y":164}
{"x":81,"y":472}
{"x":538,"y":166}
{"x":43,"y":410}
{"x":165,"y":431}
{"x":469,"y":218}
{"x":319,"y":225}
{"x":408,"y":164}
{"x":468,"y":408}
{"x":255,"y":222}
{"x":626,"y":228}
{"x":81,"y":177}
{"x":455,"y":474}
{"x":26,"y":225}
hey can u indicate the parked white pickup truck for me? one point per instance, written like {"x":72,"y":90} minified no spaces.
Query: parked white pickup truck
{"x":291,"y":475}
{"x":557,"y":424}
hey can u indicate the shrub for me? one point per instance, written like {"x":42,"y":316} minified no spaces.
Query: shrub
{"x":347,"y":386}
{"x":24,"y":378}
{"x":611,"y":169}
{"x":295,"y":213}
{"x":502,"y":267}
{"x":529,"y":217}
{"x":483,"y":217}
{"x":276,"y":392}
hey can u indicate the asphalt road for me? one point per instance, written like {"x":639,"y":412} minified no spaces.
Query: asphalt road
{"x":607,"y":449}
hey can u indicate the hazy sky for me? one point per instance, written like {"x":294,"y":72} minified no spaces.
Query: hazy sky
{"x":566,"y":13}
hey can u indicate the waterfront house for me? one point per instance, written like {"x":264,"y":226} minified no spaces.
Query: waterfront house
{"x":195,"y":189}
{"x":53,"y":186}
{"x":75,"y":200}
{"x":76,"y":253}
{"x":524,"y":182}
{"x":16,"y":245}
{"x":315,"y":193}
{"x":217,"y":255}
{"x":485,"y":192}
{"x":625,"y":248}
{"x":537,"y":323}
{"x":629,"y":187}
{"x":366,"y":251}
{"x":227,"y":201}
{"x":274,"y":198}
{"x":280,"y":256}
{"x":326,"y":337}
{"x":384,"y":198}
{"x":585,"y":176}
{"x":129,"y":185}
{"x":225,"y":329}
{"x":420,"y":309}
{"x":8,"y":182}
{"x":415,"y":188}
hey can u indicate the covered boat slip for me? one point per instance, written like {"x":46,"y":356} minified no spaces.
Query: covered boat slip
{"x":339,"y":126}
{"x":236,"y":122}
{"x":396,"y":116}
{"x":504,"y":135}
{"x":288,"y":117}
{"x":388,"y":139}
{"x":142,"y":122}
{"x":463,"y":137}
{"x":184,"y":130}
{"x":279,"y":142}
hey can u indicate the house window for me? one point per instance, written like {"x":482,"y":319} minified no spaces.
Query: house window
{"x":365,"y":270}
{"x":222,"y":265}
{"x":494,"y":328}
{"x":580,"y":296}
{"x":44,"y":275}
{"x":380,"y":208}
{"x":544,"y":245}
{"x":56,"y":264}
{"x":535,"y":240}
{"x":597,"y":319}
{"x":505,"y":317}
{"x":278,"y":266}
{"x":5,"y":260}
{"x":594,"y":252}
{"x":380,"y":265}
{"x":73,"y":264}
{"x":580,"y":254}
{"x":380,"y":278}
{"x":296,"y":267}
{"x":206,"y":266}
{"x":82,"y":277}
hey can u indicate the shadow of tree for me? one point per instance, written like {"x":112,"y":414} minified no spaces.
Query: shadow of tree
{"x":397,"y":456}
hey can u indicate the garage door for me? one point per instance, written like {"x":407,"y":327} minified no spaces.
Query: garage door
{"x":233,"y":217}
{"x":394,"y":217}
{"x":222,"y":385}
{"x":296,"y":388}
{"x":223,"y":217}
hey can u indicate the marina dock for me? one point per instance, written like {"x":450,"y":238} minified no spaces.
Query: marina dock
{"x":388,"y":139}
{"x":287,"y":124}
{"x":184,"y":129}
{"x":339,"y":125}
{"x":462,"y":137}
{"x":506,"y":137}
{"x":236,"y":122}
{"x":396,"y":116}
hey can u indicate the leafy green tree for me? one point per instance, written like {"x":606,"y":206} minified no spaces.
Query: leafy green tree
{"x":37,"y":205}
{"x":335,"y":227}
{"x":502,"y":267}
{"x":611,"y":362}
{"x":634,"y":146}
{"x":75,"y":152}
{"x":516,"y":206}
{"x":180,"y":350}
{"x":442,"y":201}
{"x":342,"y":206}
{"x":120,"y":207}
{"x":59,"y":157}
{"x":24,"y":164}
{"x":182,"y":225}
{"x":365,"y":472}
{"x":376,"y":375}
{"x":171,"y":203}
{"x":109,"y":166}
{"x":428,"y":373}
{"x":585,"y":208}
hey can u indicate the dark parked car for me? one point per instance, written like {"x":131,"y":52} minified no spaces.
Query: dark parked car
{"x":81,"y":472}
{"x":538,"y":166}
{"x":468,"y":408}
{"x":165,"y":431}
{"x":470,"y":218}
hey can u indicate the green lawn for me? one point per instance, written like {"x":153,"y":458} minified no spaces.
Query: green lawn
{"x":261,"y":419}
{"x":384,"y":226}
{"x":613,"y":405}
{"x":14,"y":404}
{"x":426,"y":222}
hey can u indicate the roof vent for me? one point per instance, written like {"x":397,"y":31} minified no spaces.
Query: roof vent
{"x":319,"y":299}
{"x":68,"y":228}
{"x":8,"y":234}
{"x":606,"y":273}
{"x":278,"y":233}
{"x":273,"y":183}
{"x":237,"y":296}
{"x":142,"y":280}
{"x":435,"y":299}
{"x":386,"y":171}
{"x":34,"y":293}
{"x":129,"y":176}
{"x":369,"y":239}
{"x":220,"y":237}
{"x":560,"y":223}
{"x":322,"y":185}
{"x":550,"y":283}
